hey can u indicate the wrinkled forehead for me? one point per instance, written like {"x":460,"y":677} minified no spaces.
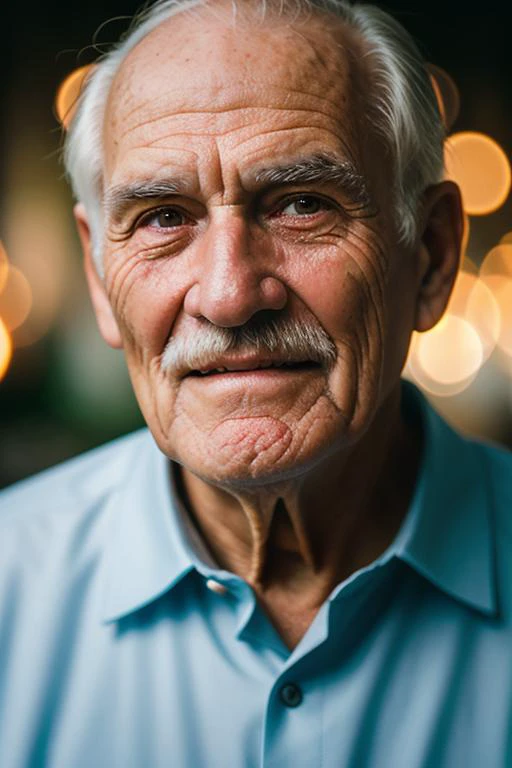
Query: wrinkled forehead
{"x":199,"y":61}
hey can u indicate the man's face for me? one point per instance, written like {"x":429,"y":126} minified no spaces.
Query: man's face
{"x":242,"y":185}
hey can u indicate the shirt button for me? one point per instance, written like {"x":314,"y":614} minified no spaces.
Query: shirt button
{"x":291,"y":695}
{"x":216,"y":586}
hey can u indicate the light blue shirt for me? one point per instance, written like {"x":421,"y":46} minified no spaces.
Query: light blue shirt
{"x":119,"y":649}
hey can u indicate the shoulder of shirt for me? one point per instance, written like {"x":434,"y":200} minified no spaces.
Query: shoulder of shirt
{"x":72,"y":486}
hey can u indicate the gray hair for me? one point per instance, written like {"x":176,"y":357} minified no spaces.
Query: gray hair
{"x":400,"y":103}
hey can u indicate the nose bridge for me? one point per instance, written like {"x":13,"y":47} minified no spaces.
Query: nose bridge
{"x":228,"y":266}
{"x":232,"y":282}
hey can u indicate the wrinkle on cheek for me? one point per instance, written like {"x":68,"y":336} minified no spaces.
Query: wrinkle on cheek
{"x":157,"y":395}
{"x":346,"y":378}
{"x":119,"y":282}
{"x":369,"y":272}
{"x":374,"y":253}
{"x":161,"y":419}
{"x":366,"y":324}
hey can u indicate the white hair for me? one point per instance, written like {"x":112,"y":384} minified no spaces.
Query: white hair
{"x":400,"y":103}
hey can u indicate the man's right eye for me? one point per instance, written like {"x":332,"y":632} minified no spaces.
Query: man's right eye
{"x":164,"y":218}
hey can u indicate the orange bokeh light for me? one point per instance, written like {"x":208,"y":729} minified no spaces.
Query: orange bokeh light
{"x":5,"y":349}
{"x":481,"y":168}
{"x":497,"y":262}
{"x":4,"y":267}
{"x":42,"y":254}
{"x":501,"y":286}
{"x":447,"y":94}
{"x":473,"y":300}
{"x":68,"y":94}
{"x":445,"y":360}
{"x":484,"y":314}
{"x":451,"y":352}
{"x":15,"y":299}
{"x":506,"y":239}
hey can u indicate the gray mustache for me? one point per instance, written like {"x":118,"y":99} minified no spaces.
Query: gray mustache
{"x":286,"y":338}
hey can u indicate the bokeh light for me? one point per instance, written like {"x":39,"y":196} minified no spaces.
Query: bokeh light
{"x":498,"y":261}
{"x":451,"y":352}
{"x":483,"y":313}
{"x":5,"y":349}
{"x":42,"y":253}
{"x":481,"y":168}
{"x":447,"y":93}
{"x":15,"y":299}
{"x":68,"y":94}
{"x":501,"y":287}
{"x":445,"y":360}
{"x":4,"y":267}
{"x":473,"y":301}
{"x":506,"y":239}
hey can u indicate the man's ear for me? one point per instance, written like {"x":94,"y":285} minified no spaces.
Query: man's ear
{"x":107,"y":323}
{"x":439,"y":252}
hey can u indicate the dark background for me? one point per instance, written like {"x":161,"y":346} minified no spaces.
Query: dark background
{"x":63,"y":393}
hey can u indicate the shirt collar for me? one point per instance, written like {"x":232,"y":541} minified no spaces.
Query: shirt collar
{"x":447,"y":534}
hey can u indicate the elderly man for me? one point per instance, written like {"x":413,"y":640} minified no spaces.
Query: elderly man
{"x":299,"y":564}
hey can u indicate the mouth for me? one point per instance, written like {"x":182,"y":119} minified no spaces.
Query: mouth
{"x":256,"y":367}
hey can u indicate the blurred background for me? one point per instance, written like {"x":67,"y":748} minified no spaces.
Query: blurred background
{"x":63,"y":391}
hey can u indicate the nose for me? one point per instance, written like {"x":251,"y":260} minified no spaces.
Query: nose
{"x":232,"y":282}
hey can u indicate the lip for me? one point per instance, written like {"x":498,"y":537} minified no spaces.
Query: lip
{"x":227,"y":367}
{"x":269,"y":382}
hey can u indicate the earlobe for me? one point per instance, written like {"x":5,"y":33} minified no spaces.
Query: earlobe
{"x":107,"y":323}
{"x":438,"y":252}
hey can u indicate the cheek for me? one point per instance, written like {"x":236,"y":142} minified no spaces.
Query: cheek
{"x":145,"y":297}
{"x":344,"y":286}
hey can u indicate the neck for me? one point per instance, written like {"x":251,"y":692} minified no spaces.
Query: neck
{"x":304,"y":536}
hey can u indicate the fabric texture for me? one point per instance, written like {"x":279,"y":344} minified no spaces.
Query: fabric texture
{"x":119,"y":649}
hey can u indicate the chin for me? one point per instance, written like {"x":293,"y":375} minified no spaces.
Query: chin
{"x":270,"y":458}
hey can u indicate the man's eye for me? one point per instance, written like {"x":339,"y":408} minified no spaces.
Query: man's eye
{"x":164,"y":218}
{"x":305,"y":205}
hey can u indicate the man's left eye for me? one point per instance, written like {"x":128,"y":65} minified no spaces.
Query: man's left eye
{"x":305,"y":205}
{"x":165,"y":218}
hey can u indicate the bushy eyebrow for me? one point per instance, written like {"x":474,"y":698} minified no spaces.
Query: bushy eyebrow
{"x":319,"y":169}
{"x":316,"y":169}
{"x":118,"y":200}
